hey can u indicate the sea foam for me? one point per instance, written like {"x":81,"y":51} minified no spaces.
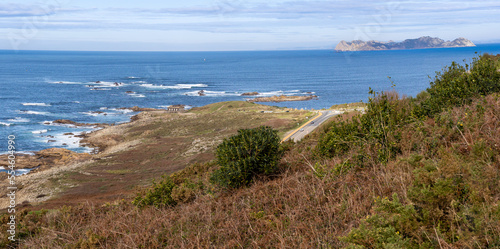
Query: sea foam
{"x":36,"y":104}
{"x":19,"y":120}
{"x":39,"y":132}
{"x":33,"y":112}
{"x":177,"y":86}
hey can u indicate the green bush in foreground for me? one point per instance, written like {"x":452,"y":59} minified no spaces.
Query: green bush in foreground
{"x":250,"y":153}
{"x":159,"y":195}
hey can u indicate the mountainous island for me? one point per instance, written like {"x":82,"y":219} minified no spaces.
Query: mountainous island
{"x":419,"y":43}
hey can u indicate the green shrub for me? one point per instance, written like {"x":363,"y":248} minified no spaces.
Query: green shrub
{"x":457,"y":85}
{"x":386,"y":229}
{"x":377,"y":132}
{"x":159,"y":195}
{"x":250,"y":153}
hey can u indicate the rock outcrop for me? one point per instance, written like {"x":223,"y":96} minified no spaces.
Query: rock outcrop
{"x":70,"y":122}
{"x":419,"y":43}
{"x":250,"y":94}
{"x":44,"y":159}
{"x":138,"y":109}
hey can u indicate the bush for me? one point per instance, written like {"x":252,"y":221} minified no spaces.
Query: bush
{"x":457,"y":85}
{"x":374,"y":134}
{"x":159,"y":195}
{"x":250,"y":153}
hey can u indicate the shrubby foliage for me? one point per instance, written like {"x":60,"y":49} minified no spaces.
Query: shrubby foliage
{"x":159,"y":195}
{"x":457,"y":85}
{"x":250,"y":153}
{"x":373,"y":135}
{"x":448,"y":137}
{"x":376,"y":134}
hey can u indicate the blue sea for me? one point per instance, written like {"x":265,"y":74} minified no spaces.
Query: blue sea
{"x":38,"y":87}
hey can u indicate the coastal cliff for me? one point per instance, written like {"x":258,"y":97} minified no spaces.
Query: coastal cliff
{"x":419,"y":43}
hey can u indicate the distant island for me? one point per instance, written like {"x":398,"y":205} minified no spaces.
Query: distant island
{"x":419,"y":43}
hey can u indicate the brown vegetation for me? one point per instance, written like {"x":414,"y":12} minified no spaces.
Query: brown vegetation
{"x":313,"y":203}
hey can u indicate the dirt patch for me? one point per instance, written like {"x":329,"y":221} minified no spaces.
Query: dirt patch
{"x":276,"y":123}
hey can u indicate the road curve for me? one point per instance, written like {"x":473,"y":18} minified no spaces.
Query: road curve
{"x":308,"y":127}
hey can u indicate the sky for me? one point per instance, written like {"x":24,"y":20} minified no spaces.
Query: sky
{"x":225,"y":25}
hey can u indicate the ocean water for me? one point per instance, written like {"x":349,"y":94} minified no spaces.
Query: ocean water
{"x":38,"y":87}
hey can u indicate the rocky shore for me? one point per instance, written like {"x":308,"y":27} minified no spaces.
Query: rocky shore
{"x":73,"y":123}
{"x":250,"y":94}
{"x":44,"y":159}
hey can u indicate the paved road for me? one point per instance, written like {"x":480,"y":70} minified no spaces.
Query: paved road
{"x":308,"y":127}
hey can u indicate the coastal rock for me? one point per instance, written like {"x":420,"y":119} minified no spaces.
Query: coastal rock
{"x":250,"y":94}
{"x":419,"y":43}
{"x":44,"y":159}
{"x":70,"y":122}
{"x":202,"y":93}
{"x":138,"y":109}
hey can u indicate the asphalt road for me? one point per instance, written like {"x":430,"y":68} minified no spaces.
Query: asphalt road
{"x":308,"y":127}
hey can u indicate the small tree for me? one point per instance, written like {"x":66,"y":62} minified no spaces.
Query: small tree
{"x":243,"y":156}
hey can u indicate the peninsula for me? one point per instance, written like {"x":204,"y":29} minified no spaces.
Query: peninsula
{"x":419,"y":43}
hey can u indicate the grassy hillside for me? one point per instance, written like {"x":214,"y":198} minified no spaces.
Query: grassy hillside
{"x":409,"y":173}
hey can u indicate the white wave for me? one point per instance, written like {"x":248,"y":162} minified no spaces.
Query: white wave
{"x":95,"y":114}
{"x":66,"y":82}
{"x":186,"y":107}
{"x":133,"y":77}
{"x":19,"y":120}
{"x":140,"y":81}
{"x":5,"y":124}
{"x":273,"y":93}
{"x":35,"y":104}
{"x":192,"y":85}
{"x":107,"y":84}
{"x":78,"y":102}
{"x":136,"y":95}
{"x":212,"y":93}
{"x":66,"y":141}
{"x":125,"y":111}
{"x":100,"y":89}
{"x":46,"y":123}
{"x":34,"y":112}
{"x":39,"y":132}
{"x":104,"y":108}
{"x":177,"y":86}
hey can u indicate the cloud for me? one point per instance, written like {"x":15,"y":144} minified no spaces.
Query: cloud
{"x":295,"y":9}
{"x":22,"y":10}
{"x":319,"y":9}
